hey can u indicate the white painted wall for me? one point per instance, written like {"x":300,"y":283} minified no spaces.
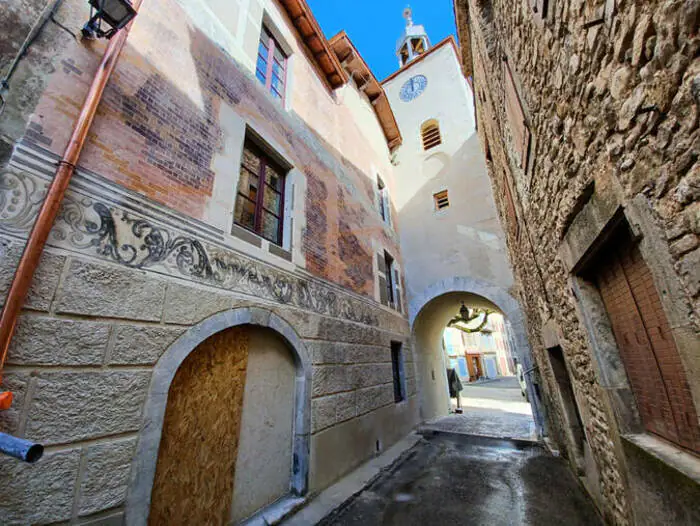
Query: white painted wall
{"x":465,"y":239}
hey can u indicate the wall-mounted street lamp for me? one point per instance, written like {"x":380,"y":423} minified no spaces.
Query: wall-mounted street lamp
{"x":115,"y":13}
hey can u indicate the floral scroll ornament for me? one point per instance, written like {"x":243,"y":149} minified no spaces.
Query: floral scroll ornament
{"x":20,"y":199}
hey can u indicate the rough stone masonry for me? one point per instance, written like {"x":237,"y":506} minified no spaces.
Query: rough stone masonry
{"x":588,"y":117}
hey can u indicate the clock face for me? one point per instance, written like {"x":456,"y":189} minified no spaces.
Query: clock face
{"x":413,"y":87}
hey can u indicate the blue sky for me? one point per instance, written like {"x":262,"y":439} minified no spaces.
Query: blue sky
{"x":375,"y":25}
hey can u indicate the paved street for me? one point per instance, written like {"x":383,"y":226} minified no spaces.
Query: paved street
{"x":458,"y":473}
{"x":455,"y":480}
{"x":495,"y":408}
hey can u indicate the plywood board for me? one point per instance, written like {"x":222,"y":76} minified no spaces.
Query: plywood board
{"x":199,"y":445}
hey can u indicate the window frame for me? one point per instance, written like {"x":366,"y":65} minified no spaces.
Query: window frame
{"x":430,"y":135}
{"x":272,"y":45}
{"x":259,"y":202}
{"x":398,"y":370}
{"x":389,"y":268}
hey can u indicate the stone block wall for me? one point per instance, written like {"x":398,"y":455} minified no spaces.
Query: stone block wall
{"x":609,"y":95}
{"x":82,"y":361}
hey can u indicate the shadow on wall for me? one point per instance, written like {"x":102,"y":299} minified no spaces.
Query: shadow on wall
{"x":465,"y":239}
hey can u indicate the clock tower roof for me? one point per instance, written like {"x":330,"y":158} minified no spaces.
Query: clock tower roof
{"x":413,"y":42}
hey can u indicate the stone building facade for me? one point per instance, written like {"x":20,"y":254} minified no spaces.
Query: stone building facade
{"x":152,"y":268}
{"x":587,"y":113}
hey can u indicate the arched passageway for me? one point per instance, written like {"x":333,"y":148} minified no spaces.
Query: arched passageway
{"x":226,"y":423}
{"x":438,"y":305}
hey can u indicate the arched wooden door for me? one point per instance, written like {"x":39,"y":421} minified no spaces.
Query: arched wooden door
{"x":199,"y":444}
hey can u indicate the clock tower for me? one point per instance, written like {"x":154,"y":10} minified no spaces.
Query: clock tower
{"x":447,"y":217}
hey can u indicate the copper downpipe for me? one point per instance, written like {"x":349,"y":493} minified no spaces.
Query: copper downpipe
{"x":52,"y":203}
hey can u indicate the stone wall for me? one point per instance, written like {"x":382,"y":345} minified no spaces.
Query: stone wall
{"x":609,"y":97}
{"x":82,"y":360}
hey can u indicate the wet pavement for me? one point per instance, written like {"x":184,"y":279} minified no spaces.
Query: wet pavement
{"x":448,"y":479}
{"x":495,"y":408}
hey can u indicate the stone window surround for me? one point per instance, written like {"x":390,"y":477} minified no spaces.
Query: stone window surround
{"x":143,"y":467}
{"x":292,"y":213}
{"x":605,"y":211}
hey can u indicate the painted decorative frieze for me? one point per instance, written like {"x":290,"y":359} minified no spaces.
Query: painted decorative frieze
{"x":93,"y":226}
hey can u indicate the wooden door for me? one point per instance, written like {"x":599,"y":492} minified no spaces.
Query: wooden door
{"x":646,"y":344}
{"x":198,"y":448}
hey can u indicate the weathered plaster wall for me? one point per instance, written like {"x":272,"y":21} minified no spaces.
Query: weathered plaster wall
{"x":610,"y":98}
{"x":171,"y":123}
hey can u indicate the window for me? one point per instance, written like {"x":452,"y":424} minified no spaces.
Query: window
{"x":260,"y":198}
{"x":441,"y":200}
{"x":430,"y":134}
{"x":397,"y":368}
{"x":389,"y":266}
{"x":389,"y":281}
{"x":271,"y":68}
{"x":382,"y":200}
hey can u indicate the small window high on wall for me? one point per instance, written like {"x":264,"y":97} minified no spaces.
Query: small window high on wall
{"x":271,"y":67}
{"x":382,"y":200}
{"x":430,"y":134}
{"x":442,"y":200}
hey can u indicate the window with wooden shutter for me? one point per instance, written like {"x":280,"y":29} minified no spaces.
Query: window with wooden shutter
{"x":430,"y":134}
{"x":520,"y":134}
{"x":389,"y":279}
{"x":442,"y":200}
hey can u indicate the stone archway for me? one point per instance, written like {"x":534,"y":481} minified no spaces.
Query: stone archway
{"x":146,"y":459}
{"x":429,"y":313}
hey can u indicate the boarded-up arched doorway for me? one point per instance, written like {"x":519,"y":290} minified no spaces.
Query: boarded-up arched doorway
{"x":199,"y":443}
{"x":263,"y":461}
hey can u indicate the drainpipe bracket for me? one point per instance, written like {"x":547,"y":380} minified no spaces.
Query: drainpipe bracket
{"x":5,"y":400}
